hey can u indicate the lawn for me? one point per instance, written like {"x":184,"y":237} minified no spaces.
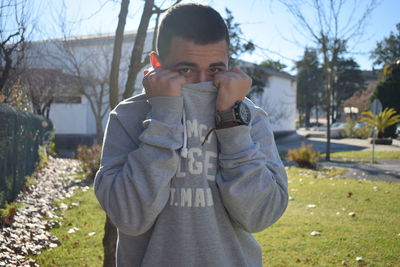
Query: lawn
{"x":84,"y":247}
{"x":373,"y":233}
{"x":366,"y":154}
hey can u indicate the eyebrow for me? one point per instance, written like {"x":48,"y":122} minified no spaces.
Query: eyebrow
{"x":192,"y":64}
{"x":218,"y":64}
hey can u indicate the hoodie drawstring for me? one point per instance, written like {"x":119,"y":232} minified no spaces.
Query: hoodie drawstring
{"x":184,"y":150}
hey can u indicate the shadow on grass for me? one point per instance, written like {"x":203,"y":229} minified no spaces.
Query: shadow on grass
{"x":295,"y":141}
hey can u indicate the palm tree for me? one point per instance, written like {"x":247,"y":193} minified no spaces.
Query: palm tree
{"x":383,"y":120}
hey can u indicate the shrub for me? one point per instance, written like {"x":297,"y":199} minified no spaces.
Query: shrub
{"x":363,"y":132}
{"x":90,"y":158}
{"x":304,"y":156}
{"x":348,"y":130}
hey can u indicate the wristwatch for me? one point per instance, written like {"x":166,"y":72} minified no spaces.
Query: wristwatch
{"x":239,"y":114}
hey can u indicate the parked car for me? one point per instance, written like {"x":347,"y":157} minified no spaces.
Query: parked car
{"x":397,"y":132}
{"x":359,"y":125}
{"x":316,"y":124}
{"x":336,"y":129}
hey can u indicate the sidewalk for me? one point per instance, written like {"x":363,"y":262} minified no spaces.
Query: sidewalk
{"x":318,"y":142}
{"x":385,"y":170}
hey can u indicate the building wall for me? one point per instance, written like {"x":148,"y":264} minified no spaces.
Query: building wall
{"x":72,"y":118}
{"x":279,"y":101}
{"x":279,"y":98}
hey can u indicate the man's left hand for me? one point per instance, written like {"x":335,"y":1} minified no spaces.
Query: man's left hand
{"x":233,"y":85}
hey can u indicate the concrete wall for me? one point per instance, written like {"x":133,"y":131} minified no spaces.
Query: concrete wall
{"x":72,"y":118}
{"x":279,"y":101}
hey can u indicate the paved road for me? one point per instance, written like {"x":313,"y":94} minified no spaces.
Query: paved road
{"x":386,"y":170}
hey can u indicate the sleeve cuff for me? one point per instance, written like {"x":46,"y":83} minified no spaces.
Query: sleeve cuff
{"x":234,"y":139}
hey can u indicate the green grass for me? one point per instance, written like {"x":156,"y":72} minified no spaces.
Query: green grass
{"x":78,"y":249}
{"x":366,"y":154}
{"x":10,"y":209}
{"x":372,"y":234}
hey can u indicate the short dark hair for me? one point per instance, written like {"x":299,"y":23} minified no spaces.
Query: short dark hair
{"x":193,"y":22}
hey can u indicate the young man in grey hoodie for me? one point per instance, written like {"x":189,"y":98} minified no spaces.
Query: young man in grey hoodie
{"x":190,"y":167}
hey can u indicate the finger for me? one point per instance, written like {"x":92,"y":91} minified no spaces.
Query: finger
{"x":177,"y":77}
{"x":236,"y":70}
{"x":219,"y":78}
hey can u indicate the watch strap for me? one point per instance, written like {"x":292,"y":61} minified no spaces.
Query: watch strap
{"x":227,"y":124}
{"x":227,"y":115}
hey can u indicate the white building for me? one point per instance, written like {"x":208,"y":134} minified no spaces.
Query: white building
{"x":90,"y":56}
{"x":277,"y":98}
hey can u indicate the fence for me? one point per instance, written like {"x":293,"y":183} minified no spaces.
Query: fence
{"x":21,"y":133}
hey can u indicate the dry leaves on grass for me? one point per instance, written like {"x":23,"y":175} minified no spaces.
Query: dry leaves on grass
{"x":73,"y":230}
{"x":26,"y":232}
{"x":315,"y":233}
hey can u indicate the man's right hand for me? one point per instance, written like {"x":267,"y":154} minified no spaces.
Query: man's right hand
{"x":162,"y":82}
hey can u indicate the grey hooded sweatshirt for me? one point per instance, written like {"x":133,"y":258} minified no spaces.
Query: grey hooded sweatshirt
{"x":180,"y":203}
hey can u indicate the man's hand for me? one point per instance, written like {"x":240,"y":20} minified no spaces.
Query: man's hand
{"x":162,"y":82}
{"x":232,"y":86}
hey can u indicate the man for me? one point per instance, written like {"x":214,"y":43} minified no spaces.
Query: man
{"x":190,"y":168}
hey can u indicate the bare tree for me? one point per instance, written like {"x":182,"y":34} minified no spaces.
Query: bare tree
{"x":91,"y":71}
{"x":14,"y":19}
{"x":116,"y":59}
{"x":42,"y":85}
{"x":87,"y":64}
{"x":330,"y":26}
{"x":136,"y":63}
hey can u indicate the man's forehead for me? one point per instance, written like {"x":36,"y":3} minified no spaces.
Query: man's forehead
{"x":187,"y":52}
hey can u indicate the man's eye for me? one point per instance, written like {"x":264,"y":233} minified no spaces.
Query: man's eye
{"x":184,"y":70}
{"x":214,"y":70}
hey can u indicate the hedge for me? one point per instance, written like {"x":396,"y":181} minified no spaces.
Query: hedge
{"x":21,"y":133}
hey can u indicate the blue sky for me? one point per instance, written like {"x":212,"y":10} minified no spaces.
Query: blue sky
{"x":266,"y":23}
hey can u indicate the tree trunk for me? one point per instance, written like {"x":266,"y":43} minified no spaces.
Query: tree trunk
{"x":99,"y":130}
{"x":136,"y":58}
{"x":119,"y":37}
{"x":4,"y":76}
{"x":328,"y":117}
{"x":307,"y":117}
{"x":109,"y":243}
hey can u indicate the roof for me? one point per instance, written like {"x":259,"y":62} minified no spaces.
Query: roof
{"x":267,"y":70}
{"x":93,"y":39}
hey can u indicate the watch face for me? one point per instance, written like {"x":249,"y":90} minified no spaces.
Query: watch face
{"x":244,"y":113}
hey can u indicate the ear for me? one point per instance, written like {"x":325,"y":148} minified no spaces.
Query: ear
{"x":154,"y":60}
